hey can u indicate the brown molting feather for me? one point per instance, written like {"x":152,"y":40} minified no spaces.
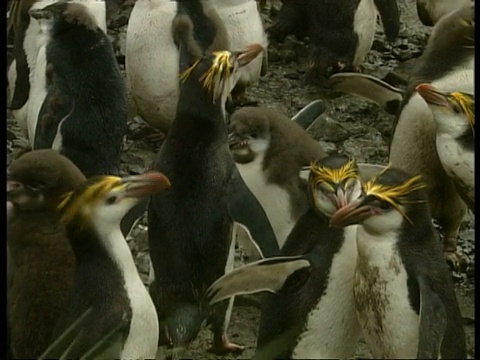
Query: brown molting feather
{"x":78,"y":14}
{"x":182,"y":29}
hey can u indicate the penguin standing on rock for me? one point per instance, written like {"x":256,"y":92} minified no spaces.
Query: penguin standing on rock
{"x":341,"y":32}
{"x":454,"y":114}
{"x":40,"y":259}
{"x":313,"y":318}
{"x":106,"y":279}
{"x":270,"y":150}
{"x":195,"y":157}
{"x":404,"y":295}
{"x":413,"y":143}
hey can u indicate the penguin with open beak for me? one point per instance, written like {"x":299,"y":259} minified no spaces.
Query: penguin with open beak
{"x":454,"y":115}
{"x":106,"y":280}
{"x":403,"y":290}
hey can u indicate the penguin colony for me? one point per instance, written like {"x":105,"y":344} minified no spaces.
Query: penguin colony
{"x":347,"y":250}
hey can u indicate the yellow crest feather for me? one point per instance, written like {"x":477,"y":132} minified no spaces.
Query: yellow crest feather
{"x":323,"y":174}
{"x":467,"y":104}
{"x":395,"y":195}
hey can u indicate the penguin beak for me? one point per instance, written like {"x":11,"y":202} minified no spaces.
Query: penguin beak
{"x":352,"y":213}
{"x":432,"y":96}
{"x":341,"y":198}
{"x":145,"y":185}
{"x":248,"y":54}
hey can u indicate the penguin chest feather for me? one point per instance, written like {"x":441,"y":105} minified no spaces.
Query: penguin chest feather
{"x":457,"y":162}
{"x":274,"y":199}
{"x":143,"y":334}
{"x":332,"y":329}
{"x":364,"y":26}
{"x":389,"y":323}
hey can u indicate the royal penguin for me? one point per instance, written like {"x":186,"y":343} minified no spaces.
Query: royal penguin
{"x":196,"y":158}
{"x":412,"y":145}
{"x":270,"y":150}
{"x":40,"y":259}
{"x":341,"y":32}
{"x":454,"y":115}
{"x":318,"y":320}
{"x":153,"y":84}
{"x":404,"y":295}
{"x":27,"y":73}
{"x":430,"y":11}
{"x":106,"y":279}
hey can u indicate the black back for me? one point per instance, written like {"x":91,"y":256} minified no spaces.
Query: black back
{"x":86,"y":88}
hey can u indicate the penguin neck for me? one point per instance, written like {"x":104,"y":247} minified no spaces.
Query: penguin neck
{"x":96,"y":248}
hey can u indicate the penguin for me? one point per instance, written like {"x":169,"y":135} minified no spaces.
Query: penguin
{"x":26,"y":73}
{"x":196,"y":158}
{"x":270,"y":150}
{"x":153,"y":84}
{"x":40,"y":261}
{"x":454,"y":115}
{"x":404,"y":295}
{"x":430,"y":11}
{"x":106,"y":279}
{"x":318,"y":320}
{"x":84,"y":113}
{"x":412,"y":144}
{"x":341,"y":32}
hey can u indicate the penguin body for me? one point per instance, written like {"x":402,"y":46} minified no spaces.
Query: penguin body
{"x":270,"y":150}
{"x":412,"y":146}
{"x":430,"y":11}
{"x":341,"y":32}
{"x":27,"y":72}
{"x":84,"y":113}
{"x":454,"y":115}
{"x":415,"y":313}
{"x":154,"y":84}
{"x":195,"y":157}
{"x":40,"y":259}
{"x":106,"y":279}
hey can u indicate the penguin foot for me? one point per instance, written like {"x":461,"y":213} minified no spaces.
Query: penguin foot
{"x":221,"y":345}
{"x":456,"y":260}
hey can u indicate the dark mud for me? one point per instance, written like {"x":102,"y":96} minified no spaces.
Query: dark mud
{"x":350,"y":125}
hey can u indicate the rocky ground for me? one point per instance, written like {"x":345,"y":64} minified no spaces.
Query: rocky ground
{"x":350,"y":125}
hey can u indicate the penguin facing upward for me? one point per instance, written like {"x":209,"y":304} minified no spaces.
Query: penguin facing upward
{"x":106,"y":279}
{"x":454,"y":115}
{"x":430,"y":11}
{"x":270,"y":150}
{"x":40,"y":259}
{"x":341,"y":32}
{"x":84,"y":113}
{"x":404,"y":295}
{"x":154,"y":84}
{"x":412,"y":145}
{"x":195,"y":157}
{"x":26,"y":73}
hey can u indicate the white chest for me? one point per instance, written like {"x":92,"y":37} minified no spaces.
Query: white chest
{"x":364,"y":24}
{"x":274,"y":199}
{"x":332,"y":329}
{"x":458,"y":163}
{"x":389,"y":324}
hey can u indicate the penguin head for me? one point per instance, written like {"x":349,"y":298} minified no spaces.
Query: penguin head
{"x":62,"y":15}
{"x":37,"y":180}
{"x":104,"y":200}
{"x":454,"y":112}
{"x":218,"y":72}
{"x":333,"y":183}
{"x":387,"y":201}
{"x":249,"y":134}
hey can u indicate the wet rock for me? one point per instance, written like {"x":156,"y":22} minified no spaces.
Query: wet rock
{"x":143,"y":262}
{"x":327,"y":129}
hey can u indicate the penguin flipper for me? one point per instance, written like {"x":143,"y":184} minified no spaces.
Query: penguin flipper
{"x":271,"y":274}
{"x":309,"y":113}
{"x":433,"y":322}
{"x":369,"y":87}
{"x":245,"y":209}
{"x":388,"y":10}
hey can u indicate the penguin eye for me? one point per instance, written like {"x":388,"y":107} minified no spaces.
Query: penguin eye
{"x":111,"y":200}
{"x":254,"y":135}
{"x":384,"y":205}
{"x":456,"y":109}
